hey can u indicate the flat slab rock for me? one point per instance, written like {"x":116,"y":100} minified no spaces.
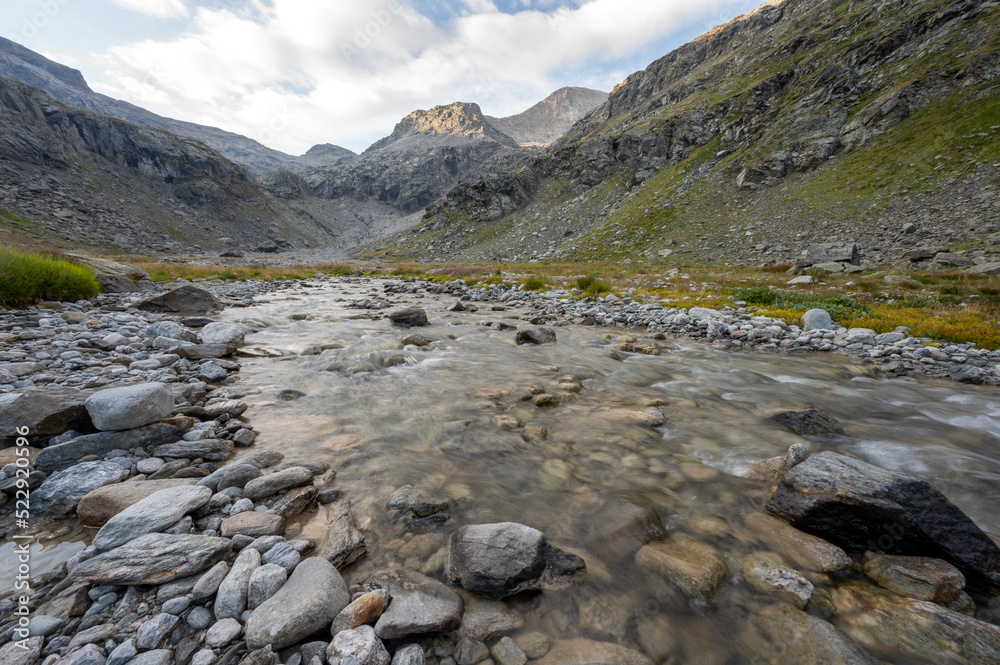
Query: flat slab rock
{"x":64,"y":454}
{"x":99,"y":506}
{"x":46,"y":412}
{"x":155,"y":558}
{"x":183,"y":299}
{"x":854,"y":504}
{"x":418,"y":605}
{"x":156,"y":513}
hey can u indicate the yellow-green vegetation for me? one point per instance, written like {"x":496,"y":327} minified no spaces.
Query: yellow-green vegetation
{"x":168,"y":272}
{"x":27,"y":277}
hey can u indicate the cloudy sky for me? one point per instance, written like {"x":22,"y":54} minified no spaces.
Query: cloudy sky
{"x":293,"y":73}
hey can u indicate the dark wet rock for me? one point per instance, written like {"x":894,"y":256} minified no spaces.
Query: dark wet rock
{"x":308,"y":602}
{"x":154,"y":514}
{"x":47,"y":411}
{"x":63,"y":490}
{"x":295,"y":501}
{"x":343,"y":543}
{"x":418,"y":605}
{"x":62,"y":455}
{"x":498,"y":560}
{"x":405,"y":504}
{"x":916,"y":577}
{"x":804,"y":550}
{"x":617,"y":529}
{"x":877,"y":619}
{"x":358,"y":646}
{"x":696,"y":568}
{"x":129,"y":407}
{"x":863,"y":507}
{"x":410,"y":316}
{"x":535,"y":335}
{"x":810,"y":421}
{"x":154,"y":559}
{"x":777,"y":580}
{"x":184,"y":299}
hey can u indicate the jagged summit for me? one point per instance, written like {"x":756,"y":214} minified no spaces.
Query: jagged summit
{"x":550,"y":118}
{"x":462,"y":120}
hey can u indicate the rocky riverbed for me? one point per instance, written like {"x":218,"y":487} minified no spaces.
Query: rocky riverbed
{"x":368,"y":470}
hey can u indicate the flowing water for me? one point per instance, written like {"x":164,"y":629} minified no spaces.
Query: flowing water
{"x":675,"y":435}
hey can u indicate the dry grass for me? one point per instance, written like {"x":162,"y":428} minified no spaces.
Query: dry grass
{"x":168,"y":272}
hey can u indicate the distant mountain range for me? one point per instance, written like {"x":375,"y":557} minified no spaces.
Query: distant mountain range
{"x":69,"y":164}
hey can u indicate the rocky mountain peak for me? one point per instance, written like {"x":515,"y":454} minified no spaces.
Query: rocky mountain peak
{"x":550,"y":118}
{"x":13,"y":54}
{"x":462,"y":120}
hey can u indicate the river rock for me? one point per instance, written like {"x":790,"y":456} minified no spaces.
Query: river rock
{"x":284,"y":555}
{"x":916,"y":577}
{"x":483,"y":618}
{"x":505,"y":652}
{"x":218,"y":332}
{"x":253,"y":524}
{"x":365,"y":609}
{"x":810,"y":421}
{"x":154,"y":514}
{"x":45,"y":412}
{"x":773,"y":578}
{"x":264,"y":583}
{"x":805,"y":551}
{"x":497,"y":560}
{"x":188,"y":299}
{"x":129,"y":407}
{"x":215,"y":450}
{"x":155,"y":558}
{"x":295,"y":501}
{"x":209,"y":583}
{"x":123,"y":653}
{"x":535,"y":335}
{"x":877,"y":618}
{"x":309,"y":601}
{"x":100,"y":505}
{"x":155,"y":657}
{"x":24,"y":653}
{"x":222,"y":633}
{"x":696,"y":568}
{"x":88,"y":655}
{"x":588,"y":652}
{"x":470,"y":652}
{"x":409,"y":316}
{"x":343,"y":543}
{"x":62,"y":455}
{"x":862,"y":506}
{"x":782,"y":634}
{"x":63,"y":490}
{"x":265,"y":486}
{"x":534,"y":645}
{"x":154,"y":630}
{"x":231,"y":600}
{"x":418,"y":605}
{"x":231,"y":475}
{"x":358,"y":646}
{"x":411,"y":654}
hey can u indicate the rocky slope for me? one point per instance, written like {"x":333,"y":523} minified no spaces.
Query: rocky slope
{"x":68,"y":86}
{"x":804,"y":121}
{"x":549,"y":119}
{"x":426,"y":155}
{"x":70,"y":174}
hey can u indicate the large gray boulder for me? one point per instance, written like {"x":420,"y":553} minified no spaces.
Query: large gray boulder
{"x":410,"y":316}
{"x":45,"y":412}
{"x":154,"y":514}
{"x":64,"y":454}
{"x":62,"y":491}
{"x":862,"y":507}
{"x":184,"y":299}
{"x":155,"y":558}
{"x":130,"y":407}
{"x":219,"y":332}
{"x":502,"y":559}
{"x":313,"y":596}
{"x":817,"y":319}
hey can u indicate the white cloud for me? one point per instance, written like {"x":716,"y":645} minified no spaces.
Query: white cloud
{"x":158,"y":8}
{"x":293,"y":73}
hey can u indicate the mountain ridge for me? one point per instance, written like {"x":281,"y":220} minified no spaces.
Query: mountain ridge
{"x":549,"y":119}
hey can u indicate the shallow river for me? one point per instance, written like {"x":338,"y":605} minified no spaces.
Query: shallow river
{"x":449,"y":420}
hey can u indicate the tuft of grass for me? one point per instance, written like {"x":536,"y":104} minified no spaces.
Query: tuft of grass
{"x":592,"y":286}
{"x":839,"y":307}
{"x":536,"y":283}
{"x":29,"y":277}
